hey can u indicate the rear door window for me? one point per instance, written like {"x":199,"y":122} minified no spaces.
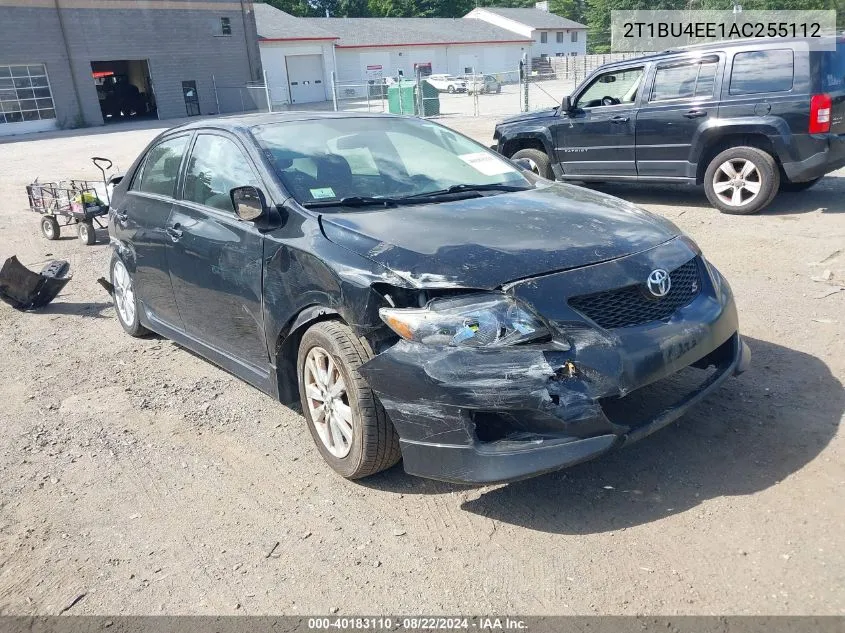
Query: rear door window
{"x":684,"y":80}
{"x":757,"y":72}
{"x":160,"y":170}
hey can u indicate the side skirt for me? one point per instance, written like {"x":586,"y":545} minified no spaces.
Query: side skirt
{"x":263,"y":378}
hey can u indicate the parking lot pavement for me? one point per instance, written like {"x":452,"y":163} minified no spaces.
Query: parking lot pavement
{"x":148,"y":481}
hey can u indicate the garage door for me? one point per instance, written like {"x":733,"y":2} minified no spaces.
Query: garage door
{"x":305,"y":77}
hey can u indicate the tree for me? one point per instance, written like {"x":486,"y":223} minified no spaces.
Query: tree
{"x":318,"y":8}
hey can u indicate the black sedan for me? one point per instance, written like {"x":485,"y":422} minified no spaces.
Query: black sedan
{"x":421,"y":296}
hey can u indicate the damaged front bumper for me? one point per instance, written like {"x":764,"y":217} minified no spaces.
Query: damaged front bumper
{"x":509,"y":424}
{"x":25,"y":290}
{"x":475,"y":415}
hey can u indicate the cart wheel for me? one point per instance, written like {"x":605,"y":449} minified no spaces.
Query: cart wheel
{"x":86,"y":232}
{"x":50,"y":228}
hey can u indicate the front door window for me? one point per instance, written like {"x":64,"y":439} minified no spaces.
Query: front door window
{"x":612,"y":88}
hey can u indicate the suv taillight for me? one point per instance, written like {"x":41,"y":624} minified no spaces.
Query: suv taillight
{"x":820,"y":114}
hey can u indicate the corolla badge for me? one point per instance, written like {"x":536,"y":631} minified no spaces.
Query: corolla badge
{"x":659,"y":282}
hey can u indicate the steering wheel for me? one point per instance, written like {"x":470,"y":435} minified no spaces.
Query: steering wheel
{"x":609,"y":101}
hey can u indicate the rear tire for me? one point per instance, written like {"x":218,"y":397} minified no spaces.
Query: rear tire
{"x":741,"y":180}
{"x":125,"y":300}
{"x":86,"y":232}
{"x":349,"y":426}
{"x":793,"y":187}
{"x":50,"y":228}
{"x":541,"y":164}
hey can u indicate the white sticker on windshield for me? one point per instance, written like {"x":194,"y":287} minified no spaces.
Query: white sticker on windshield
{"x":487,"y":164}
{"x":322,"y":193}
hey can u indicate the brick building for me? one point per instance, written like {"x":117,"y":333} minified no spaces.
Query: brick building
{"x":66,"y":63}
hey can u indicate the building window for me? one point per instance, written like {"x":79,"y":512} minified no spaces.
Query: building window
{"x":560,"y":37}
{"x":225,"y":26}
{"x":574,"y":36}
{"x":544,"y":37}
{"x":573,"y":54}
{"x":25,"y":94}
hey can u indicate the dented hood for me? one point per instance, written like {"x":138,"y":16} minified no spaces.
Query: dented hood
{"x":488,"y":241}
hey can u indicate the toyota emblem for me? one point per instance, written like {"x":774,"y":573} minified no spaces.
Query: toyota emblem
{"x":659,"y":283}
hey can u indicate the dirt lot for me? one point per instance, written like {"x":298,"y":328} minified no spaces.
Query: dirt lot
{"x":136,"y":478}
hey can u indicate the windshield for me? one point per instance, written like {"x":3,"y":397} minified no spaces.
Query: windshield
{"x":325,"y":160}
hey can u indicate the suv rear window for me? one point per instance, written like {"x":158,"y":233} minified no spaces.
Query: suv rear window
{"x":833,"y":68}
{"x":756,"y":72}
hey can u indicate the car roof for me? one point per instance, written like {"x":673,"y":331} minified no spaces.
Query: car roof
{"x":243,"y":122}
{"x":707,"y":46}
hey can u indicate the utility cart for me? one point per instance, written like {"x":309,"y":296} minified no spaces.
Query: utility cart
{"x":83,"y":203}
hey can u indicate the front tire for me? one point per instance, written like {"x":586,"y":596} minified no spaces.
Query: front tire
{"x":741,"y":180}
{"x":451,"y":90}
{"x":125,"y":300}
{"x":540,"y":163}
{"x":50,"y":228}
{"x":86,"y":232}
{"x":349,"y":426}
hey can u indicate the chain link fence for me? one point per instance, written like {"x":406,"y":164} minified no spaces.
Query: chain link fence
{"x":540,"y":83}
{"x":252,"y":96}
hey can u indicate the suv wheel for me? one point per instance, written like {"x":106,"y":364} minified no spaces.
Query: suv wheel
{"x":741,"y":180}
{"x":346,"y":420}
{"x":540,"y":164}
{"x":785,"y":185}
{"x":451,"y":90}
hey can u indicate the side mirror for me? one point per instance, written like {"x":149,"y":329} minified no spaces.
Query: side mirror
{"x":566,"y":104}
{"x":525,"y":164}
{"x":248,"y":202}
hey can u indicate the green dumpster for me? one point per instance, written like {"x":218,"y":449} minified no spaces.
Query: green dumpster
{"x":430,"y":99}
{"x":400,"y":98}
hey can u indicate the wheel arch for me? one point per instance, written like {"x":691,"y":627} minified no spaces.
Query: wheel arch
{"x":287,"y":347}
{"x":537,"y":140}
{"x":125,"y":253}
{"x":716,"y":140}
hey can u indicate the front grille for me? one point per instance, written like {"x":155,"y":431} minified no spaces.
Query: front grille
{"x":635,"y":305}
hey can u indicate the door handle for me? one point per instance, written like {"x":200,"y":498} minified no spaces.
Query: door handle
{"x":695,"y":114}
{"x":174,"y":232}
{"x":619,"y":119}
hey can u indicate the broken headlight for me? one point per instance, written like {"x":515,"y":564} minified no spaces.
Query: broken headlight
{"x":482,"y":320}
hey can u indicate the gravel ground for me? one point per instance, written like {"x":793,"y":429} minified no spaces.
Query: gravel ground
{"x":137,"y":478}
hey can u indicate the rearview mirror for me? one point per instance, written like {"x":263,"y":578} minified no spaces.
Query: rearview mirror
{"x":566,"y":104}
{"x":248,"y":203}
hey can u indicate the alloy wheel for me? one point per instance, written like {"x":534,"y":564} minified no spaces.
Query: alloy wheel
{"x":328,"y":402}
{"x":737,"y":182}
{"x":124,"y":294}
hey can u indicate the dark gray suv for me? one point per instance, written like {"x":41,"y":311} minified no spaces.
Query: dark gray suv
{"x":745,"y":119}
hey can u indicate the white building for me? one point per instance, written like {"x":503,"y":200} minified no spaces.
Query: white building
{"x":551,"y":35}
{"x":297,"y":57}
{"x":299,"y":54}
